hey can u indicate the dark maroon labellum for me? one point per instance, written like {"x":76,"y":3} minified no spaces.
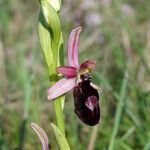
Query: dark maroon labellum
{"x":86,"y":101}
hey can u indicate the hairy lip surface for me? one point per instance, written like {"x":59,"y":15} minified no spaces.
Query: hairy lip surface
{"x":86,"y":101}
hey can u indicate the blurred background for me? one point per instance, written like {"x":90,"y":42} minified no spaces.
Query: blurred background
{"x":116,"y":33}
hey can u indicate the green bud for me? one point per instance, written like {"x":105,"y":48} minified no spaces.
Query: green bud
{"x":50,"y":36}
{"x":55,"y":4}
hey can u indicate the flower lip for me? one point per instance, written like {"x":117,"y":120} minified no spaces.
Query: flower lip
{"x":86,"y":100}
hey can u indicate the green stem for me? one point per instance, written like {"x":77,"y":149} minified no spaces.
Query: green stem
{"x":58,"y":107}
{"x":118,"y":112}
{"x":51,"y":41}
{"x":59,"y":115}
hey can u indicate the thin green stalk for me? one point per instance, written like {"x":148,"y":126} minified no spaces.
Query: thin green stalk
{"x":50,"y":35}
{"x":26,"y":88}
{"x":59,"y":115}
{"x":25,"y":83}
{"x":118,"y":112}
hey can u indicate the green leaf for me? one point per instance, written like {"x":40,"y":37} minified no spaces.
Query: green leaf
{"x":45,"y":40}
{"x":61,"y":139}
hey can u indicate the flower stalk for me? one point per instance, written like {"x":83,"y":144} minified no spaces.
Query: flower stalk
{"x":51,"y":40}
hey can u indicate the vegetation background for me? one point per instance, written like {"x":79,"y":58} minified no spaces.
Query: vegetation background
{"x":117,"y":35}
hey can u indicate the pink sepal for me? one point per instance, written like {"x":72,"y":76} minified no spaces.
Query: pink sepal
{"x":73,"y":43}
{"x":61,"y":87}
{"x":89,"y":64}
{"x":69,"y":72}
{"x":42,"y":136}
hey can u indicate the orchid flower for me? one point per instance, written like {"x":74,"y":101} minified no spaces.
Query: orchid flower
{"x":77,"y":77}
{"x":72,"y":71}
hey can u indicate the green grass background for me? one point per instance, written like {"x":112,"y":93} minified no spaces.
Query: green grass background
{"x":116,"y":33}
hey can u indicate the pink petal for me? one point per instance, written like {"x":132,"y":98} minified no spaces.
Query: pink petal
{"x":42,"y":136}
{"x":73,"y":47}
{"x":61,"y":87}
{"x":89,"y":64}
{"x":69,"y":72}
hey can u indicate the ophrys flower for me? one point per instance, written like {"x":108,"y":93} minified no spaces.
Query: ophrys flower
{"x":78,"y":77}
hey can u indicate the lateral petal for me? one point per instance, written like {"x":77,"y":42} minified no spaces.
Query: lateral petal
{"x":89,"y":64}
{"x":61,"y":87}
{"x":69,"y":72}
{"x":73,"y":43}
